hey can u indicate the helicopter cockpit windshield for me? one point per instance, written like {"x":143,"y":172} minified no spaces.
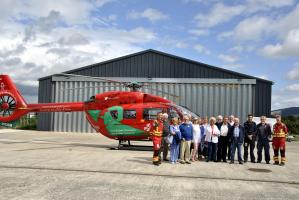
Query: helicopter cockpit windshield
{"x":185,"y":111}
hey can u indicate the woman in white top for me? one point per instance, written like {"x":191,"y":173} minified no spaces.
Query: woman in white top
{"x":196,"y":137}
{"x":212,"y":134}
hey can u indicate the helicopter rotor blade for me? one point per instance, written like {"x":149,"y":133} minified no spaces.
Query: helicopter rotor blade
{"x":103,"y":79}
{"x":88,"y":87}
{"x":163,"y":92}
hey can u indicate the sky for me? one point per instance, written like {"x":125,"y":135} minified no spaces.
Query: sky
{"x":255,"y":37}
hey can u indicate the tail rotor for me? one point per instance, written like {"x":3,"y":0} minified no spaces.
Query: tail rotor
{"x":12,"y":104}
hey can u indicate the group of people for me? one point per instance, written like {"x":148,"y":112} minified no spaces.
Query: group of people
{"x":217,"y":139}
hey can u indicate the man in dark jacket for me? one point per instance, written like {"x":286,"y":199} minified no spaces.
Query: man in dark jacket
{"x":237,"y":134}
{"x":165,"y":133}
{"x":263,"y":134}
{"x":250,"y":137}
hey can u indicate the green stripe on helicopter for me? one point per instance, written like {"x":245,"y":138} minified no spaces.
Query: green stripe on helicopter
{"x":112,"y":120}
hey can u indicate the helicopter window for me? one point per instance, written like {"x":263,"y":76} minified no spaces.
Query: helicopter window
{"x":114,"y":114}
{"x":151,"y":113}
{"x":173,"y":113}
{"x":129,"y":114}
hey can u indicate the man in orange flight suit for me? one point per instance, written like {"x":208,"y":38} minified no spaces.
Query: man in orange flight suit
{"x":280,"y":132}
{"x":156,"y":133}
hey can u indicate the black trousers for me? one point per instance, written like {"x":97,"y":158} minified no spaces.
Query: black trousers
{"x":222,"y":148}
{"x":229,"y":151}
{"x":164,"y":148}
{"x":263,"y":144}
{"x":251,"y":145}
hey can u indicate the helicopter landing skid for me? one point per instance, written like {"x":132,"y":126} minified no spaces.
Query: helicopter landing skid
{"x":126,"y":145}
{"x":121,"y":143}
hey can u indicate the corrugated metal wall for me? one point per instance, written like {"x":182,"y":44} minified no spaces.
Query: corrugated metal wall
{"x":206,"y":97}
{"x":45,"y":96}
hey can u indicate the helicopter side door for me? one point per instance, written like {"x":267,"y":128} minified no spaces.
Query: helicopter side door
{"x":121,"y":122}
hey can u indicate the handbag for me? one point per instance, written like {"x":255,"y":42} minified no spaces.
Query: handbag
{"x":169,"y":139}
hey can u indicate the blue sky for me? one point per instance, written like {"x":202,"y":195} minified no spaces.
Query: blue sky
{"x":256,"y":37}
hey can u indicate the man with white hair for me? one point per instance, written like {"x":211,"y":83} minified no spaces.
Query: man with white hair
{"x":237,"y":135}
{"x":263,"y":133}
{"x":165,"y":133}
{"x":187,"y":136}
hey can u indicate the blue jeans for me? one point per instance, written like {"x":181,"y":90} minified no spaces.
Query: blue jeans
{"x":174,"y":151}
{"x":235,"y":145}
{"x":212,"y":151}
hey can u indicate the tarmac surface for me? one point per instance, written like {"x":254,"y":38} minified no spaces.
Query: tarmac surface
{"x":47,"y":165}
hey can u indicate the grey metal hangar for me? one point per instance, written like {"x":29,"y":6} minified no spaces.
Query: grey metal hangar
{"x":202,"y":88}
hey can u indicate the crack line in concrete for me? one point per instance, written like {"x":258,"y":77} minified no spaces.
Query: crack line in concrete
{"x":146,"y":174}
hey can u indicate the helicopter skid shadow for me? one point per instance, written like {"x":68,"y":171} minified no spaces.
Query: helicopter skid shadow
{"x":142,"y":160}
{"x":132,"y":148}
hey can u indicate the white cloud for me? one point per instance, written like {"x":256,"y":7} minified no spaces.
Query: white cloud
{"x":284,"y":99}
{"x":199,"y":32}
{"x":225,"y":35}
{"x":220,"y":13}
{"x":74,"y":11}
{"x":201,"y":49}
{"x":288,"y":47}
{"x":232,"y":66}
{"x":262,"y":77}
{"x":262,"y":5}
{"x":228,"y":58}
{"x":149,"y":13}
{"x":294,"y":73}
{"x":293,"y":87}
{"x":250,"y":29}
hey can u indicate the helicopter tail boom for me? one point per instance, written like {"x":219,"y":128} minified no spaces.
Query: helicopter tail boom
{"x":13,"y":105}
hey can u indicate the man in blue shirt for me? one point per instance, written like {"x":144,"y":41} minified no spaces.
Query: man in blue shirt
{"x":187,"y":136}
{"x":237,"y":134}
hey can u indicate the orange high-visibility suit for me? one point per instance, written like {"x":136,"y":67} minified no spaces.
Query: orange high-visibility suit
{"x":156,"y":134}
{"x":280,"y":132}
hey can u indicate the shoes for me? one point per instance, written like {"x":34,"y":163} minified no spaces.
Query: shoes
{"x":282,"y":164}
{"x":276,"y":163}
{"x":172,"y":163}
{"x":188,"y":162}
{"x":182,"y":162}
{"x":207,"y":160}
{"x":224,"y":161}
{"x":241,"y":163}
{"x":231,"y":162}
{"x":259,"y":161}
{"x":253,"y":161}
{"x":165,"y":159}
{"x":215,"y":161}
{"x":268,"y":162}
{"x":245,"y":161}
{"x":193,"y":160}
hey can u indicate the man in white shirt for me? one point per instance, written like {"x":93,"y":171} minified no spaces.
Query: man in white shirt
{"x":223,"y":140}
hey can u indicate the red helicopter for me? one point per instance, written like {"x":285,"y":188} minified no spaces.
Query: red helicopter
{"x":119,"y":115}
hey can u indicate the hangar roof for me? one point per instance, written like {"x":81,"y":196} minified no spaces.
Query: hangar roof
{"x":208,"y":70}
